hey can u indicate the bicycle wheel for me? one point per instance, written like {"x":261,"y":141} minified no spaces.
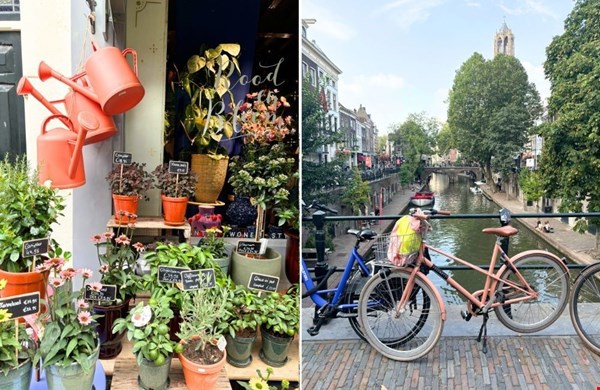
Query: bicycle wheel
{"x":354,"y":286}
{"x":549,"y":277}
{"x":585,"y":303}
{"x":403,"y":335}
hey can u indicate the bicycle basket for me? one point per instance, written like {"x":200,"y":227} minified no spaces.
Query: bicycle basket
{"x":402,"y":243}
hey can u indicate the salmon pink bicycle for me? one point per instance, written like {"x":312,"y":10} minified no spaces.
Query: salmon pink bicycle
{"x":402,"y":313}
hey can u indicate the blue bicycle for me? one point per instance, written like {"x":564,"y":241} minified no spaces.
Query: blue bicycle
{"x":341,"y":301}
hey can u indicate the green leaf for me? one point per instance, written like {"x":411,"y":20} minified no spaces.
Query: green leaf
{"x":72,"y":344}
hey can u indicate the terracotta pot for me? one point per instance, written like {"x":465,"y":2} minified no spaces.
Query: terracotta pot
{"x":23,"y":283}
{"x":127,"y":204}
{"x":174,"y":210}
{"x":110,"y":343}
{"x":199,"y":376}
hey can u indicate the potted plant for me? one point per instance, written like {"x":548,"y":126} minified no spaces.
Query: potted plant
{"x":201,"y":334}
{"x":176,"y":190}
{"x":128,"y":184}
{"x":117,"y":259}
{"x":29,"y":211}
{"x":262,"y":382}
{"x":69,"y":344}
{"x":205,"y":122}
{"x":243,"y":319}
{"x":281,"y":321}
{"x":15,"y":356}
{"x":214,"y":244}
{"x":147,"y":326}
{"x":181,"y":255}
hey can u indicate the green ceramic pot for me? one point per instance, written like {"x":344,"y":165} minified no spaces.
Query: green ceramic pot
{"x":239,"y":350}
{"x":72,"y":377}
{"x":18,"y":378}
{"x":152,"y":376}
{"x":243,"y":266}
{"x":274,"y":349}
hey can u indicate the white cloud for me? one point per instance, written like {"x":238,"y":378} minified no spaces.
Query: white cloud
{"x":328,"y":24}
{"x":405,"y":13}
{"x":535,"y":74}
{"x":521,"y":7}
{"x":473,"y":4}
{"x":439,"y":108}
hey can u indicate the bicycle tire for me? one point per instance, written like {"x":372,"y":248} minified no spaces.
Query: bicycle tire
{"x":354,"y":286}
{"x":411,"y":335}
{"x":549,"y":277}
{"x":584,"y":307}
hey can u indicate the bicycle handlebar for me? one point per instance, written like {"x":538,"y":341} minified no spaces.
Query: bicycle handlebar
{"x":424,"y":214}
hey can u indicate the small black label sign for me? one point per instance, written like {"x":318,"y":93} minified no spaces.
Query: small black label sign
{"x":35,"y":247}
{"x":107,"y":293}
{"x":252,"y":247}
{"x":122,"y":158}
{"x":180,"y":167}
{"x":170,"y":274}
{"x":200,"y":278}
{"x":263,"y":282}
{"x":21,"y":305}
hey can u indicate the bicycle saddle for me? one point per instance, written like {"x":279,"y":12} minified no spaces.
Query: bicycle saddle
{"x":362,"y":235}
{"x":504,"y":231}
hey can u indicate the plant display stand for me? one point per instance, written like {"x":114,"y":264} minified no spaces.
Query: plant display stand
{"x":156,"y":223}
{"x":126,"y":372}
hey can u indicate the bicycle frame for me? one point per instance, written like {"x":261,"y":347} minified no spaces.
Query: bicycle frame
{"x":317,"y":296}
{"x":491,"y":281}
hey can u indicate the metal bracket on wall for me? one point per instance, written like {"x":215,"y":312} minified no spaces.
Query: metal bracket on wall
{"x":92,"y":15}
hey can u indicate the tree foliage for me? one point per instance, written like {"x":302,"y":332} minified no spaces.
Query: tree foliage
{"x":570,"y":162}
{"x":491,"y":107}
{"x":356,"y":193}
{"x":317,"y":176}
{"x":530,"y":183}
{"x":416,"y":136}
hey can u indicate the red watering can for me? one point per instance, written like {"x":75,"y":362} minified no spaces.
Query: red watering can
{"x":114,"y":85}
{"x":74,"y":103}
{"x":59,"y":151}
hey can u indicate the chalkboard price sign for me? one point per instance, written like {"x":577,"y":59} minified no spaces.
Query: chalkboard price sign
{"x":179,"y":167}
{"x":107,"y":293}
{"x":200,"y":278}
{"x":170,"y":274}
{"x":122,"y":158}
{"x":250,"y":247}
{"x":263,"y":282}
{"x":21,"y":305}
{"x":35,"y":247}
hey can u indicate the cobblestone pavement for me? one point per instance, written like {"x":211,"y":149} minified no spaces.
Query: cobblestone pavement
{"x":555,"y":360}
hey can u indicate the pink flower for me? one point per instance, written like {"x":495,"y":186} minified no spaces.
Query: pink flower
{"x":68,"y":273}
{"x":41,"y":268}
{"x":86,"y":273}
{"x":104,"y":268}
{"x":57,"y":282}
{"x":82,"y":304}
{"x":95,"y":286}
{"x":139,"y":246}
{"x":122,"y":239}
{"x":55,"y":262}
{"x":84,"y":317}
{"x":96,"y":238}
{"x":108,"y":235}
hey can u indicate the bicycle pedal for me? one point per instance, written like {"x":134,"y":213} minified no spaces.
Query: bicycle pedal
{"x":465,"y":315}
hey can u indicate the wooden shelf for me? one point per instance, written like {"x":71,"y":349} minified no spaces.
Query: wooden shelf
{"x":156,"y":223}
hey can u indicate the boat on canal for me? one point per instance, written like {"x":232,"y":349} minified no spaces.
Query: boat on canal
{"x":423,"y":198}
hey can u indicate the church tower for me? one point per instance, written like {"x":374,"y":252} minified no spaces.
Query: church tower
{"x":504,"y":41}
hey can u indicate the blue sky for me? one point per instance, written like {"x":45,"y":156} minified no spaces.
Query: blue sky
{"x":399,"y":57}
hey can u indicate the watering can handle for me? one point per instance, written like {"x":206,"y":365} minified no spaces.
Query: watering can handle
{"x":134,"y":56}
{"x":63,"y":118}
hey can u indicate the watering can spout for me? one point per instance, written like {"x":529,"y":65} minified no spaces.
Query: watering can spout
{"x":45,"y":72}
{"x":26,"y":88}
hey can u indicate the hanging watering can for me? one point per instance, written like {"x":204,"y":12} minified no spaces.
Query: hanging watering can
{"x":112,"y":82}
{"x":74,"y":103}
{"x":59,"y":152}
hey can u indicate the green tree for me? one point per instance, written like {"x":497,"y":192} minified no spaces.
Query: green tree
{"x":491,"y":107}
{"x":571,"y":154}
{"x":356,"y":193}
{"x":444,"y":140}
{"x":530,"y":183}
{"x":316,"y":175}
{"x":416,"y":137}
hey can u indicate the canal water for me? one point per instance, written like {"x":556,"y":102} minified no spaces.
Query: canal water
{"x":463,"y":237}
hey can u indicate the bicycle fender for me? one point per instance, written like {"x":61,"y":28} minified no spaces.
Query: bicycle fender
{"x":534,"y":252}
